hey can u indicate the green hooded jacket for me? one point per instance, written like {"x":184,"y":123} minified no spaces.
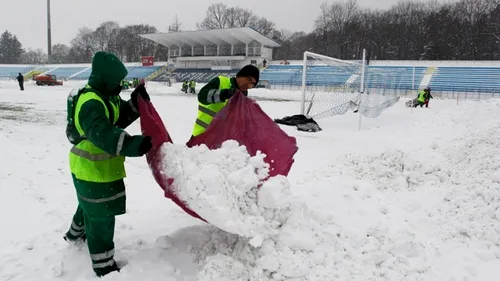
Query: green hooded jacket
{"x":101,"y":199}
{"x":107,"y":73}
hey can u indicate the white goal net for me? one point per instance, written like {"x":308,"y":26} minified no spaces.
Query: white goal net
{"x":332,"y":86}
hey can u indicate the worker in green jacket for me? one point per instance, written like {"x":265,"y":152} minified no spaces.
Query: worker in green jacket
{"x":215,"y":94}
{"x":97,"y":161}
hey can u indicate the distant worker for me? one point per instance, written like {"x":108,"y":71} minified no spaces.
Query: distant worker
{"x":20,"y":80}
{"x":427,"y":96}
{"x":214,"y":96}
{"x":420,"y":100}
{"x":192,"y":87}
{"x":184,"y":86}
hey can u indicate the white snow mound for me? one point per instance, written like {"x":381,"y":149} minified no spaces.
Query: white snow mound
{"x":221,"y":185}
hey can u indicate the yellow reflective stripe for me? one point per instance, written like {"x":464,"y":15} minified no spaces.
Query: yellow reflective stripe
{"x":102,"y":200}
{"x":82,"y":99}
{"x":207,"y":111}
{"x":92,"y":157}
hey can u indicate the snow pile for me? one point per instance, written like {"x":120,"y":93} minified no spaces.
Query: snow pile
{"x":473,"y":206}
{"x":392,"y":170}
{"x":263,"y":234}
{"x":221,"y":185}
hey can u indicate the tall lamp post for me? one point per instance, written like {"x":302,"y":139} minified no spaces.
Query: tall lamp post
{"x":49,"y":39}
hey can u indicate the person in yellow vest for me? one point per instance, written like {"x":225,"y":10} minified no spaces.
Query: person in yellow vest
{"x":97,"y":158}
{"x":420,"y":98}
{"x":192,"y":87}
{"x":215,"y":95}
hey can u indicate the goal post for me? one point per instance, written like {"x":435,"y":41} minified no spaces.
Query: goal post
{"x":332,"y":86}
{"x":329,"y":85}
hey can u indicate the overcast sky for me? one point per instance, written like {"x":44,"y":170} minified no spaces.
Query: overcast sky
{"x":28,"y":19}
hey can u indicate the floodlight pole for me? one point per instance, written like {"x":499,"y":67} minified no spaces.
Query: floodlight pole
{"x":49,"y":39}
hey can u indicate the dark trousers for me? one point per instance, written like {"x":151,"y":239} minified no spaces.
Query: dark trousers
{"x":100,"y":233}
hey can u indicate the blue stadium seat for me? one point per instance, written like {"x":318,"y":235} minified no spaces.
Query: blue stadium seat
{"x":394,"y":77}
{"x":13,"y":71}
{"x":199,"y":75}
{"x":84,"y":75}
{"x":466,"y":79}
{"x":65,"y":72}
{"x":133,"y":72}
{"x":141,"y":71}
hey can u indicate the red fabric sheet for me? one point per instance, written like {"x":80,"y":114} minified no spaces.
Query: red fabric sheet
{"x":242,"y":120}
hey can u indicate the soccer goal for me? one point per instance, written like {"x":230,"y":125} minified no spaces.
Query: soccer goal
{"x":332,"y":86}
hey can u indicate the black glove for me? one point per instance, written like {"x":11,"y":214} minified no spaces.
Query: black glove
{"x":145,"y":145}
{"x":227,"y":94}
{"x":139,"y":90}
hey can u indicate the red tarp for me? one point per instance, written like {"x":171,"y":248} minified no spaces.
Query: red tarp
{"x":242,"y":120}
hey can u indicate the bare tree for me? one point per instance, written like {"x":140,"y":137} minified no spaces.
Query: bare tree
{"x":34,"y":57}
{"x":215,"y":17}
{"x":176,"y":25}
{"x":59,"y":53}
{"x":83,"y":46}
{"x":246,"y":17}
{"x":105,"y":36}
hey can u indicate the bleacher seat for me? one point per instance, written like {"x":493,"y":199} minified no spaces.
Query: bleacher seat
{"x":141,"y":71}
{"x":65,"y":72}
{"x":394,"y":77}
{"x":199,"y":75}
{"x":466,"y":79}
{"x":84,"y":75}
{"x":13,"y":71}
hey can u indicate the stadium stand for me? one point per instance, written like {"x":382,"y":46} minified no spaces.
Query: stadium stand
{"x":65,"y":72}
{"x":7,"y":72}
{"x":198,"y":75}
{"x":394,"y":77}
{"x":466,"y":79}
{"x":141,"y":71}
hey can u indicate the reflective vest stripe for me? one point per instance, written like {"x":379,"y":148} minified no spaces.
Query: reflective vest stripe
{"x":119,"y":146}
{"x":214,"y":95}
{"x":102,"y":200}
{"x":201,"y":123}
{"x":207,"y":111}
{"x":92,"y":157}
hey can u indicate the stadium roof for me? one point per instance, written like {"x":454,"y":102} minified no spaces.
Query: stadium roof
{"x":232,"y":36}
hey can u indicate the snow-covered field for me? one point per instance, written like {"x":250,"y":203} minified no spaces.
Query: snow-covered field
{"x":414,"y":195}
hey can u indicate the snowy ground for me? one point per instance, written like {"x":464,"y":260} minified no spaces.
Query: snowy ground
{"x":413,"y":196}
